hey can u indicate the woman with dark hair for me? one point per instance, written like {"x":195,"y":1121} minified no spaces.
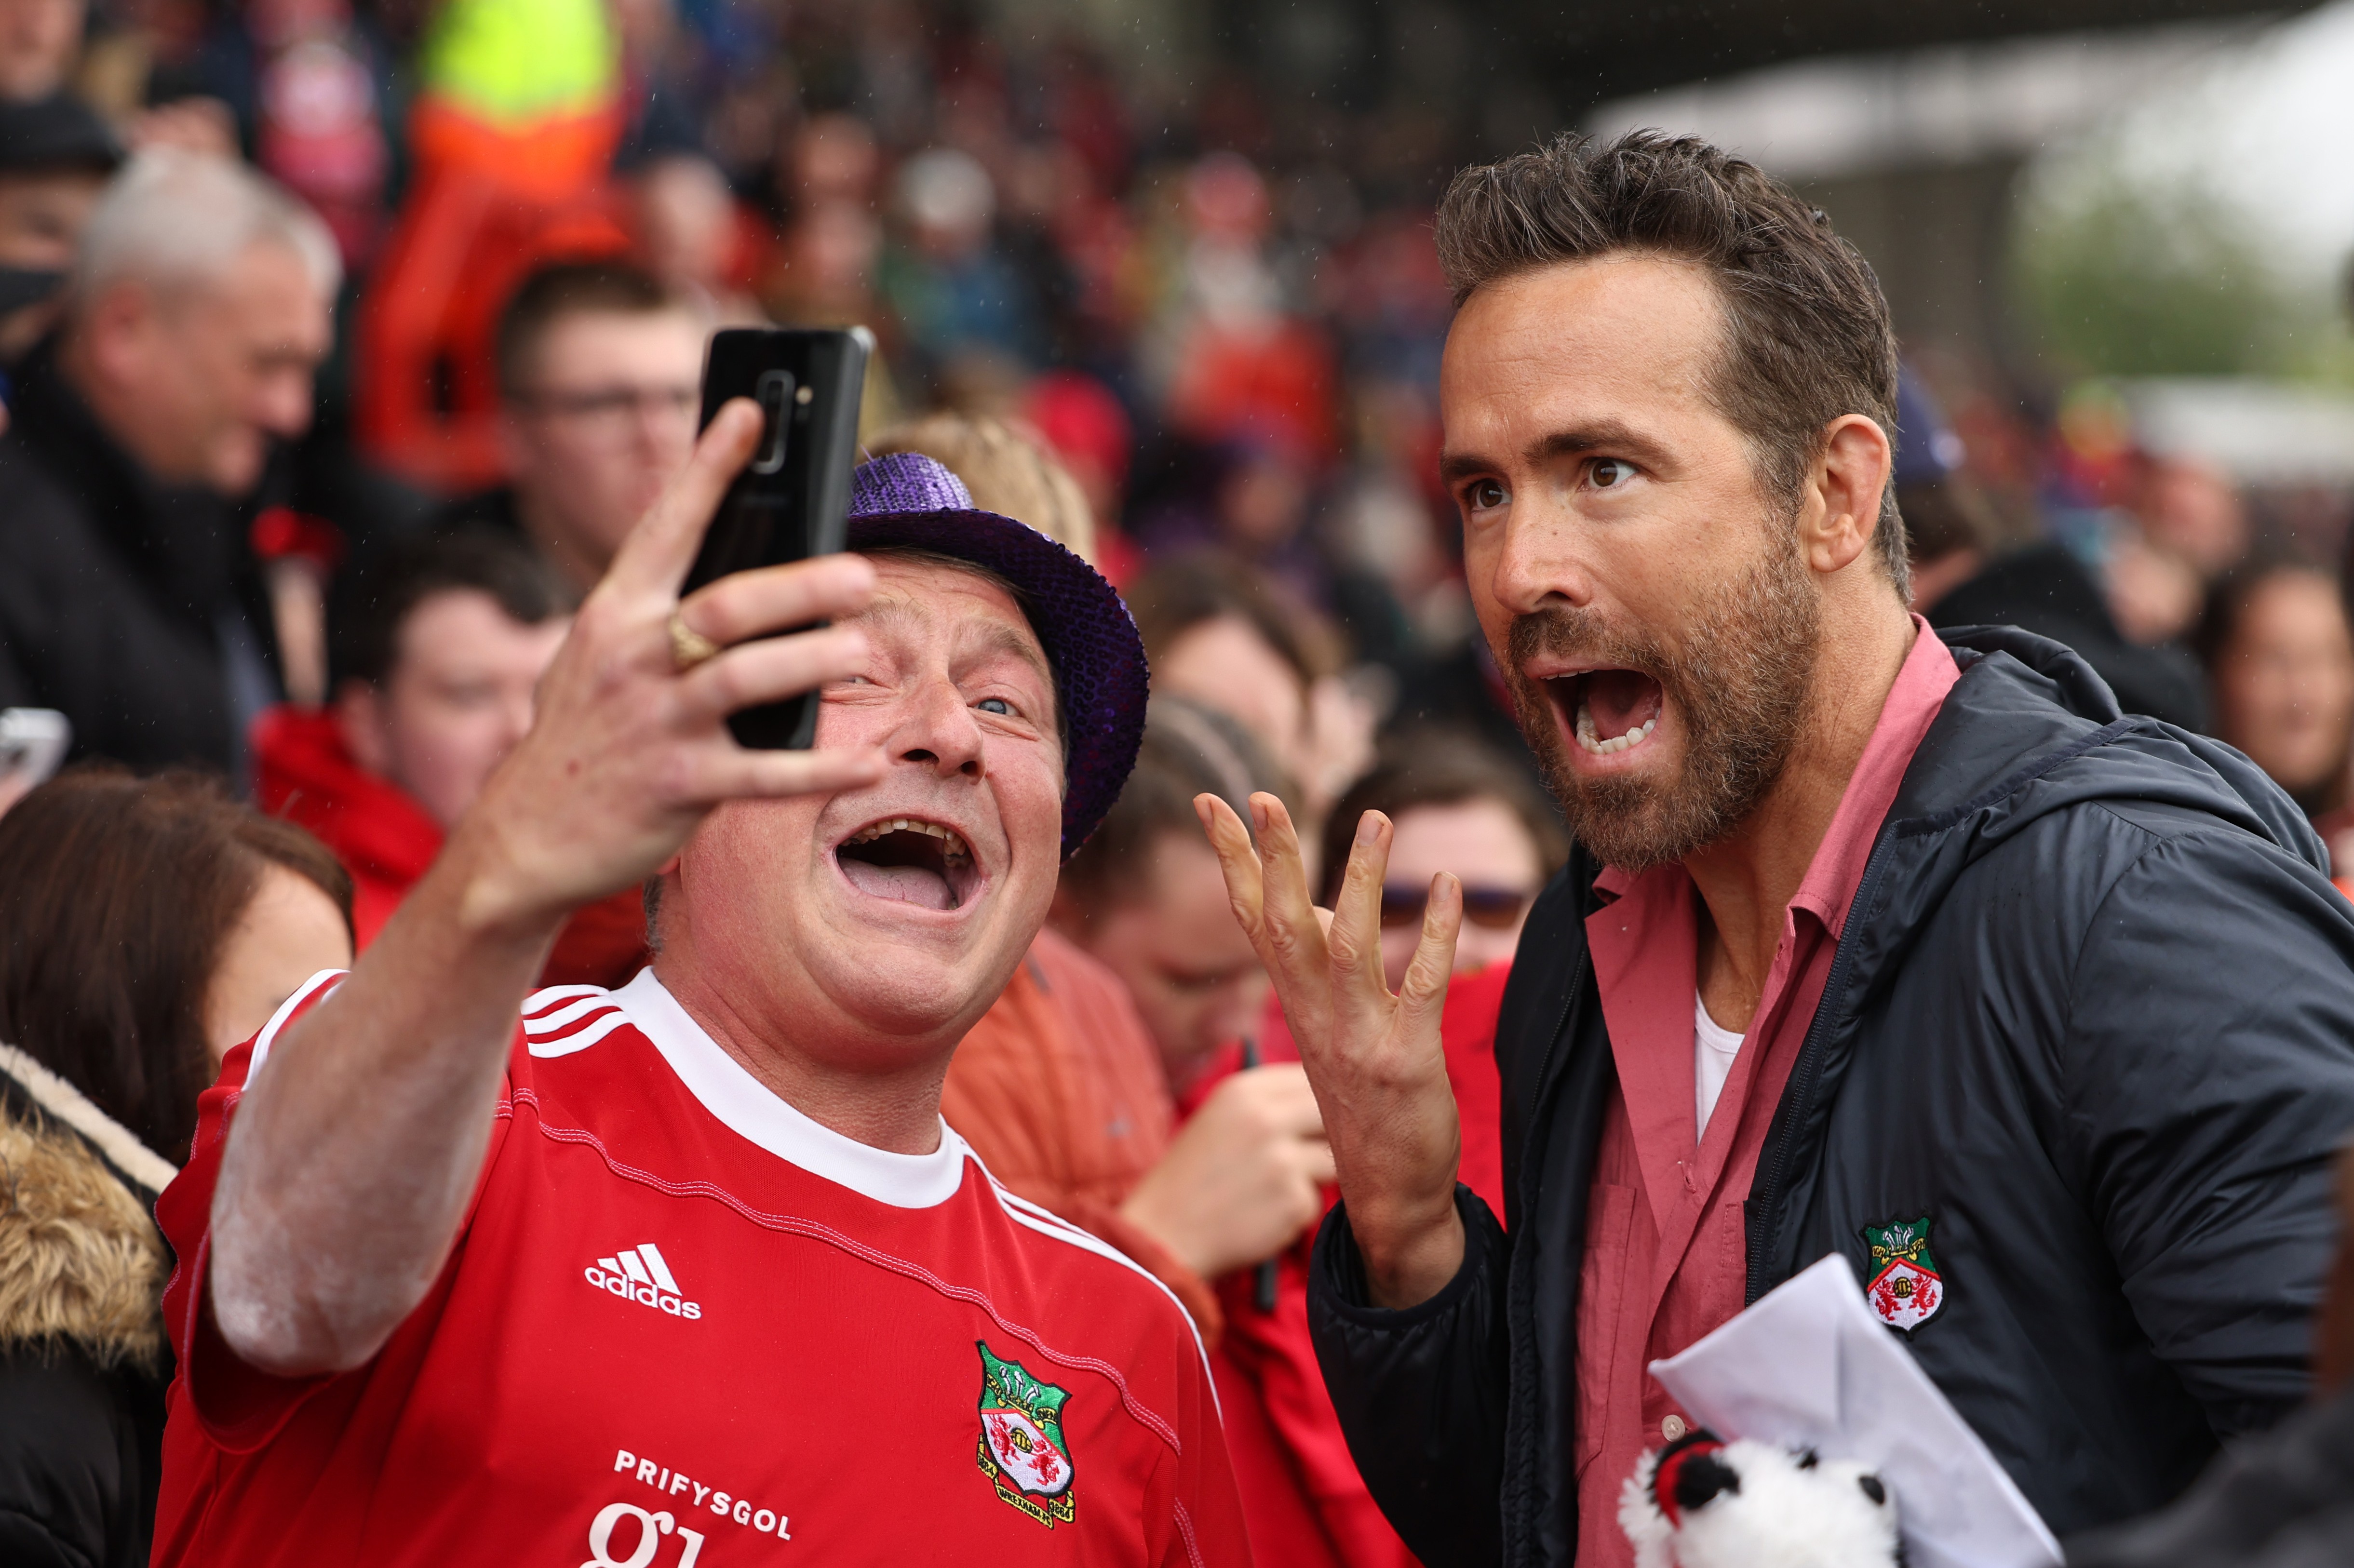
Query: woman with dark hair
{"x":2280,"y":667}
{"x":146,"y":926}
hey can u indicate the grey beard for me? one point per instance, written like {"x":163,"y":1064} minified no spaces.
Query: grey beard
{"x":1743,"y":688}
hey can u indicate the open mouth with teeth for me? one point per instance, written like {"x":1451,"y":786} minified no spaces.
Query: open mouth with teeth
{"x":910,"y":860}
{"x":1611,"y":710}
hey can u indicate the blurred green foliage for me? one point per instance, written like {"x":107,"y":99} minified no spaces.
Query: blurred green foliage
{"x":2127,"y":270}
{"x":2121,"y":276}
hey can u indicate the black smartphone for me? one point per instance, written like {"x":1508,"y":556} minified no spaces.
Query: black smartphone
{"x":787,"y":504}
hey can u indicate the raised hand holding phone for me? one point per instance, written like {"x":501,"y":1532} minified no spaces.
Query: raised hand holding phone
{"x":1372,"y":1057}
{"x":788,"y":502}
{"x":350,"y":1168}
{"x":631,"y":745}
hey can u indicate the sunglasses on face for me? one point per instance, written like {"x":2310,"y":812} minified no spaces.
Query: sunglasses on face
{"x":1494,"y":908}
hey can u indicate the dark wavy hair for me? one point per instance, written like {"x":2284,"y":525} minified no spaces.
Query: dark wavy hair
{"x":373,"y":601}
{"x":1807,"y":333}
{"x":117,"y":894}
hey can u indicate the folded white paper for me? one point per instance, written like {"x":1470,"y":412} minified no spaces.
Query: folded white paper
{"x":1810,"y":1367}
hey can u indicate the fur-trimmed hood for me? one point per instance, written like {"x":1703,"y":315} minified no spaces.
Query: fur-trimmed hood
{"x":81,"y":1258}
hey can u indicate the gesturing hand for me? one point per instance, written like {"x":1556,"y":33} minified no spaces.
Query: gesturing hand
{"x":1373,"y":1058}
{"x":628,"y":751}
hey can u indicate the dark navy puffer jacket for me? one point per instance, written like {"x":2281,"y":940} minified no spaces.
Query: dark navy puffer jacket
{"x":2092,"y":1016}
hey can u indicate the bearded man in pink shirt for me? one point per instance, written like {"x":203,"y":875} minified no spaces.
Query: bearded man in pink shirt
{"x":1902,"y":945}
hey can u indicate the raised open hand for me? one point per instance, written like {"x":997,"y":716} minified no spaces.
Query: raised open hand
{"x":627,"y":750}
{"x":1373,"y":1057}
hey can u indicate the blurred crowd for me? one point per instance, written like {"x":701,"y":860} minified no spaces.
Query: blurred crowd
{"x":2200,"y":600}
{"x":343,"y":342}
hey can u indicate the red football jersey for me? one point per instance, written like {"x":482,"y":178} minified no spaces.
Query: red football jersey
{"x":687,"y":1326}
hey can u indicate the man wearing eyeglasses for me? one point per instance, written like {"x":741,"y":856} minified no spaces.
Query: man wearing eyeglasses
{"x":598,"y":368}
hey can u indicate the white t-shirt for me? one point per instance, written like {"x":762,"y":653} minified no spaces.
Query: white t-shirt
{"x":1713,"y":1050}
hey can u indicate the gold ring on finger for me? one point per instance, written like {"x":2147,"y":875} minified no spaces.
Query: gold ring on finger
{"x":689,"y":647}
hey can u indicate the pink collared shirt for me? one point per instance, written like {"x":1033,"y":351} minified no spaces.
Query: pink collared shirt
{"x":1665,"y":1261}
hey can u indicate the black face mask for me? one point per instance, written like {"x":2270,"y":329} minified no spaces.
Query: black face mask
{"x":22,"y":286}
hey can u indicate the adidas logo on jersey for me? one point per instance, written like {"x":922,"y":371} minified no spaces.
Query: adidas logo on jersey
{"x":640,"y":1273}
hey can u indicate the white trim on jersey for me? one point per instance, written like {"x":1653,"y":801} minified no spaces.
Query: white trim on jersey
{"x":579,"y":1039}
{"x":269,"y":1036}
{"x":1046,"y":1222}
{"x":753,"y":1111}
{"x":559,"y":1005}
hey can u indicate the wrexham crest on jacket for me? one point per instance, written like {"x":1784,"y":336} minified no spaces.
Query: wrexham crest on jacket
{"x":1022,"y":1448}
{"x":1905,"y":1288}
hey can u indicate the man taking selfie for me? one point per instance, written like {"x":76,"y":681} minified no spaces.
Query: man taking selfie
{"x":1910,"y":949}
{"x":692,"y":1271}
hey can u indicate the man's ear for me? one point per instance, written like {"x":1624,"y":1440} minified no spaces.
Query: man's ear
{"x":1840,"y":511}
{"x":360,"y":721}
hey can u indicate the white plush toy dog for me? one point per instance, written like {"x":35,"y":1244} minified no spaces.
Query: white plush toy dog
{"x":1703,"y":1503}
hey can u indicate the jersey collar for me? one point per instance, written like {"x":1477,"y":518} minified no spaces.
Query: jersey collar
{"x":752,"y":1111}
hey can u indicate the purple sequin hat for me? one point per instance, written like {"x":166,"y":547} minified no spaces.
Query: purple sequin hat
{"x":911,"y":502}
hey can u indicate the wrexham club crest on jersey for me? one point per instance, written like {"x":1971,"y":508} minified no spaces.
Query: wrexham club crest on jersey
{"x":1905,"y":1288}
{"x":1022,"y":1448}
